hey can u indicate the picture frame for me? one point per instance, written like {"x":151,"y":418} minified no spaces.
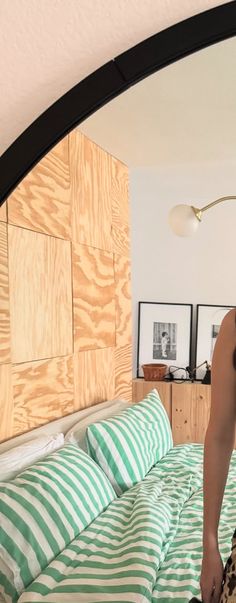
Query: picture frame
{"x":164,"y":336}
{"x":208,"y":321}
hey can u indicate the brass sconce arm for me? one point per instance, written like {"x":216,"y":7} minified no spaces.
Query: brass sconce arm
{"x":198,"y":212}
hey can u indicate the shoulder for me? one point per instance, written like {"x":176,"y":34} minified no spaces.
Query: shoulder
{"x":227,"y":335}
{"x":228,"y":324}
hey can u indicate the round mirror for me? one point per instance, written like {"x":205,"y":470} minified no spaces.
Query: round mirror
{"x":168,"y":140}
{"x":100,"y":302}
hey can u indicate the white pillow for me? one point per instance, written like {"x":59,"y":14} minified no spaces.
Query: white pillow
{"x":18,"y":458}
{"x":77,"y":433}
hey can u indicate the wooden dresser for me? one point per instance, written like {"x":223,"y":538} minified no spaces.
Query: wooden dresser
{"x":187,"y":405}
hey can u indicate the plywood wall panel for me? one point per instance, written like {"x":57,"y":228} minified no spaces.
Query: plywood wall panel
{"x":5,"y":354}
{"x":42,"y":392}
{"x":3,"y":212}
{"x":123,"y":372}
{"x":91,"y":193}
{"x":40,"y":295}
{"x":123,"y":299}
{"x":64,"y":287}
{"x":93,"y":298}
{"x":120,"y":208}
{"x":6,"y":402}
{"x":94,"y":377}
{"x":41,"y":202}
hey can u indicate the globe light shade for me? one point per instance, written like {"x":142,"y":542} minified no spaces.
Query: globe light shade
{"x":183,"y":220}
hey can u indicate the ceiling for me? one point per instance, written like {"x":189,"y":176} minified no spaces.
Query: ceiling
{"x":184,"y":113}
{"x":48,"y":46}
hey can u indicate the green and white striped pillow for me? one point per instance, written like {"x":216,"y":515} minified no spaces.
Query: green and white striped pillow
{"x":43,"y":510}
{"x":127,"y":445}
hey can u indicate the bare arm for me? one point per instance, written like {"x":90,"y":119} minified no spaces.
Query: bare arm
{"x":219,"y":441}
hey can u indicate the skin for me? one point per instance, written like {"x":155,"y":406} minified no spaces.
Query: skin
{"x":218,"y":447}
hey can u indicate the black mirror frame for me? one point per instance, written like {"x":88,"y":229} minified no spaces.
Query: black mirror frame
{"x":109,"y":81}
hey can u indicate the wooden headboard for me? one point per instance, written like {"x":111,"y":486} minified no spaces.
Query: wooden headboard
{"x":65,"y":300}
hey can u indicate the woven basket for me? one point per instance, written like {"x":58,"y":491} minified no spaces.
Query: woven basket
{"x":154,"y":372}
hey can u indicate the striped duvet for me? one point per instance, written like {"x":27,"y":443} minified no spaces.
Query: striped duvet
{"x":146,"y":546}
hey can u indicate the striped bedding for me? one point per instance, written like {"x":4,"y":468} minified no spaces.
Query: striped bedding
{"x":43,"y":510}
{"x":146,"y":546}
{"x":179,"y":574}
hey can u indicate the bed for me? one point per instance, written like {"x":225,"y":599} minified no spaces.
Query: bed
{"x":145,"y":546}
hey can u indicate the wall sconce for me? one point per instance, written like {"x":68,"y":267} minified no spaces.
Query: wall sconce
{"x":185,"y":219}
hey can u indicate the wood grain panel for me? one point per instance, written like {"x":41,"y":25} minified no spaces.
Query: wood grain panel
{"x":141,"y":388}
{"x":42,"y":392}
{"x":123,"y":300}
{"x":41,"y":202}
{"x":3,"y":212}
{"x":93,"y":377}
{"x":4,"y":298}
{"x":120,"y":208}
{"x":6,"y":402}
{"x":78,"y":192}
{"x":93,"y":298}
{"x":91,"y":192}
{"x":40,"y":295}
{"x":123,"y":372}
{"x":190,"y":412}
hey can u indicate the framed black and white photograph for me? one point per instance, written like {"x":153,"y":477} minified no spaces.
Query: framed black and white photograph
{"x":209,"y":319}
{"x":164,"y":336}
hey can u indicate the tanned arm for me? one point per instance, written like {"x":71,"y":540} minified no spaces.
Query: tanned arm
{"x":219,"y":441}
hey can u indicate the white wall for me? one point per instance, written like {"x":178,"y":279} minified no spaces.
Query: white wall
{"x":167,"y":268}
{"x":48,"y":46}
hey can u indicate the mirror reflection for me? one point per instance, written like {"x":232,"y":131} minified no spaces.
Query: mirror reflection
{"x":176,"y":131}
{"x":103,"y":307}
